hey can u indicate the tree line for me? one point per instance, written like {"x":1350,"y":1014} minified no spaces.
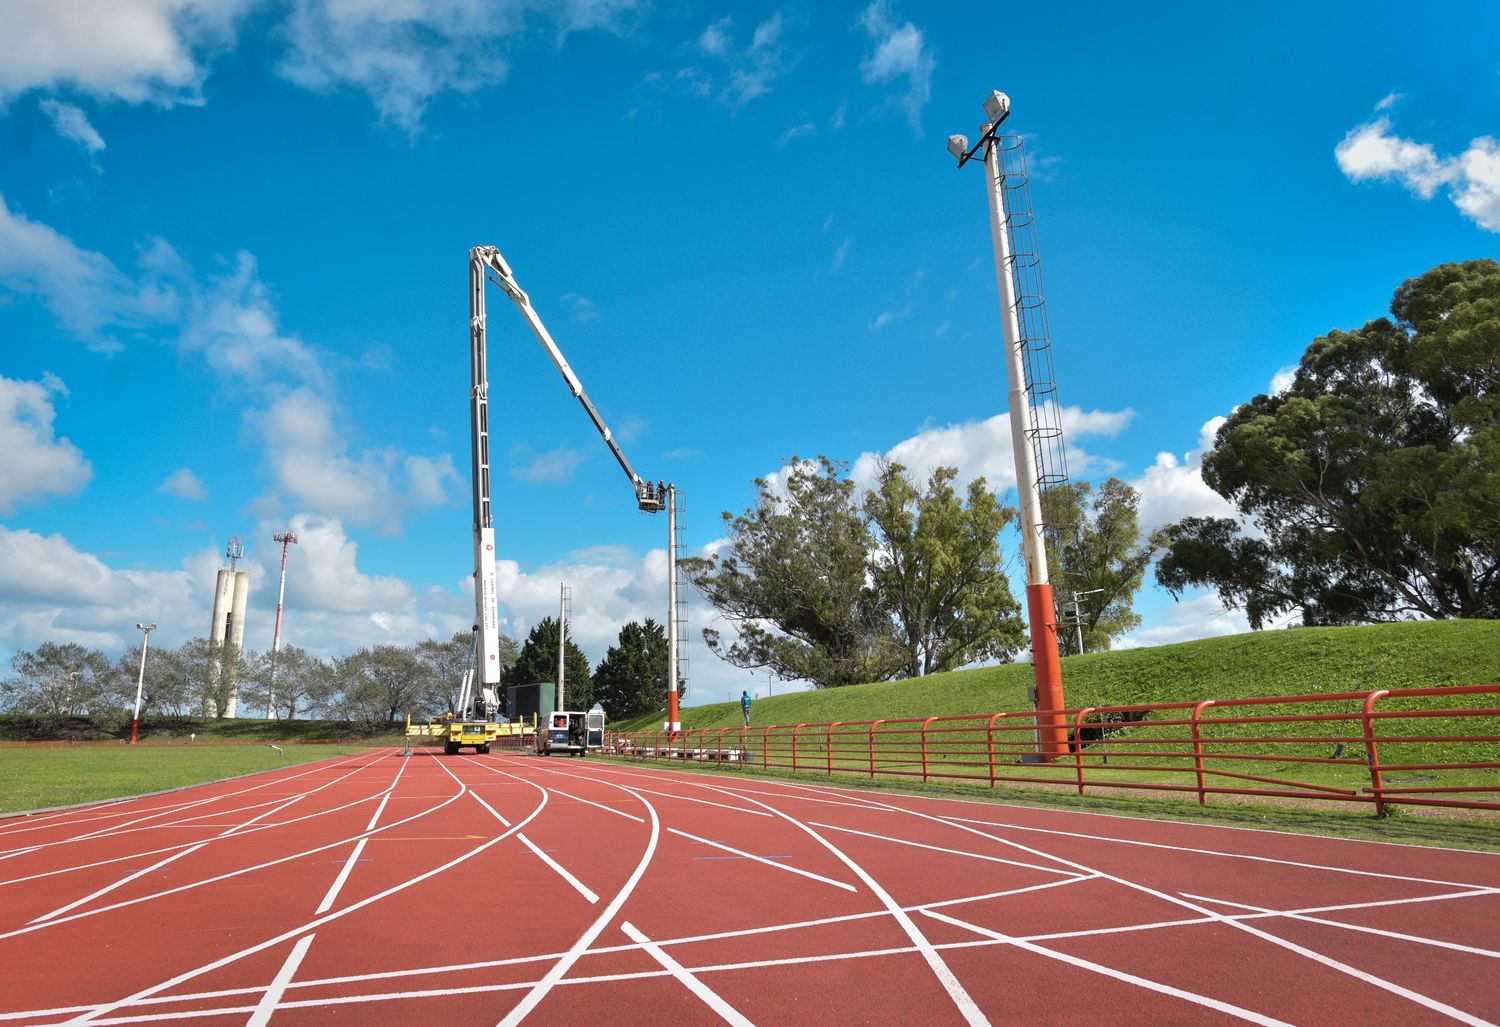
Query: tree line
{"x":830,"y":585}
{"x":374,"y":685}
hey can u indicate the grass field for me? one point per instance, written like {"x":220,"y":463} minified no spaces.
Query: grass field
{"x":38,"y":776}
{"x":1288,"y":662}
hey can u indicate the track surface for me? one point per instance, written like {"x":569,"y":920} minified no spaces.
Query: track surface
{"x":496,"y":889}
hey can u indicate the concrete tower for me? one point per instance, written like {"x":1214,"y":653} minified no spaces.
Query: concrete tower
{"x":231,"y":596}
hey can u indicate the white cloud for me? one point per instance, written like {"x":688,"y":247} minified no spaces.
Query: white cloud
{"x":403,"y":54}
{"x":983,"y":448}
{"x":36,"y":463}
{"x":1283,"y":378}
{"x":233,"y":325}
{"x":312,"y":467}
{"x":1173,"y":488}
{"x":743,"y":73}
{"x":885,"y":317}
{"x":73,"y":125}
{"x":1201,"y":616}
{"x":1373,"y":152}
{"x":900,"y":51}
{"x":85,"y":291}
{"x":132,"y":50}
{"x":554,"y":465}
{"x":583,"y":308}
{"x":797,"y":131}
{"x":184,"y":484}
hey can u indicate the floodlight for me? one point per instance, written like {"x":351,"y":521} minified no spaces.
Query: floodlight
{"x":958,"y":146}
{"x":996,"y":107}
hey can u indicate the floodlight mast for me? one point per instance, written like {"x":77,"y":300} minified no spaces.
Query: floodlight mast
{"x":486,"y":262}
{"x":1052,"y":731}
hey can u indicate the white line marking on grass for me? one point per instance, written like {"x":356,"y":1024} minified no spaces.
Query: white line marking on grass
{"x":710,"y":998}
{"x":763,"y":859}
{"x":952,"y":852}
{"x":268,"y":1002}
{"x":1119,"y":975}
{"x":1360,"y":928}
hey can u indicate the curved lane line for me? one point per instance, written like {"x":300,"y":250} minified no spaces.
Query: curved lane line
{"x":103,"y":1010}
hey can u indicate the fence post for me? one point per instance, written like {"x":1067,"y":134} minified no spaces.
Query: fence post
{"x":828,"y":745}
{"x":799,"y":727}
{"x":929,"y":720}
{"x":989,"y":744}
{"x":1372,"y":755}
{"x":1078,"y":743}
{"x":873,"y":725}
{"x":1198,"y":709}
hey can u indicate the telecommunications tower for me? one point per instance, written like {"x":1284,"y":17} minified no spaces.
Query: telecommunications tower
{"x":231,"y":596}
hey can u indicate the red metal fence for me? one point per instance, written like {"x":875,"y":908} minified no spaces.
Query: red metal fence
{"x":1410,"y":746}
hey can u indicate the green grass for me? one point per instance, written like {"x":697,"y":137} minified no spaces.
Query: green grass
{"x":37,"y":776}
{"x":1289,"y":662}
{"x":1305,"y":661}
{"x":36,"y":728}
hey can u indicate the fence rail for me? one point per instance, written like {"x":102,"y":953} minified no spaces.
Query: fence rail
{"x":1400,"y":753}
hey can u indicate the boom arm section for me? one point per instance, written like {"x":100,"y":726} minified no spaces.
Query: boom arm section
{"x":499,"y":272}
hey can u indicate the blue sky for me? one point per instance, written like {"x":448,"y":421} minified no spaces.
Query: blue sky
{"x":232,"y":294}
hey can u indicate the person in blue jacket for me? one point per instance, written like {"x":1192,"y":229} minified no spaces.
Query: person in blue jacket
{"x":745,"y":706}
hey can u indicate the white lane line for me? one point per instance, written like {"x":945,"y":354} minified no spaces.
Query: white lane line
{"x":1208,"y":852}
{"x":939,"y":848}
{"x":951,"y":984}
{"x":105,"y":1009}
{"x":432,"y":971}
{"x":1317,"y":957}
{"x":562,"y":872}
{"x":705,"y":802}
{"x":610,"y":809}
{"x":1360,"y":928}
{"x":563,"y":965}
{"x":117,"y":884}
{"x":359,"y":846}
{"x":710,"y":998}
{"x":88,"y":817}
{"x":763,"y":859}
{"x":343,"y":876}
{"x":272,"y":997}
{"x":1119,"y":975}
{"x":228,"y":875}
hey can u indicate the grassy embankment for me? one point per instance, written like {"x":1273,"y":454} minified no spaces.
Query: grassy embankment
{"x":35,"y":777}
{"x":1306,"y":661}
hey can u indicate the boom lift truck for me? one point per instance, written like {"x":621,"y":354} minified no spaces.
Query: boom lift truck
{"x":565,"y":730}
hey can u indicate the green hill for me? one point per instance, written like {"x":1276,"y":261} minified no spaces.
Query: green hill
{"x":1298,"y":661}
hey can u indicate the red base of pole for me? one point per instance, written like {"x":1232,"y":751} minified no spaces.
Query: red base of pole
{"x":672,"y":710}
{"x":1052,"y":727}
{"x":133,"y":725}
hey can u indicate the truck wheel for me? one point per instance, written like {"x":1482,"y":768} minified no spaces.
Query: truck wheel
{"x":448,"y":749}
{"x":483,"y":750}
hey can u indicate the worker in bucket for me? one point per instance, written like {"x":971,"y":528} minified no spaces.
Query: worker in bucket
{"x":745,"y":706}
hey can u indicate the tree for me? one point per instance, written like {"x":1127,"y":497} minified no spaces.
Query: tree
{"x":631,"y":680}
{"x":937,"y":567}
{"x":304,"y":683}
{"x":793,"y":581}
{"x":210,"y":673}
{"x":446,"y":663}
{"x":538,"y":663}
{"x":1368,"y":490}
{"x":1094,"y":546}
{"x":381,"y":683}
{"x":57,"y":679}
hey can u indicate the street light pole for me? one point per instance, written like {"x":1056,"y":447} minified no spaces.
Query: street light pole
{"x":140,"y":681}
{"x":287,"y":539}
{"x":1078,"y":613}
{"x":1052,"y":732}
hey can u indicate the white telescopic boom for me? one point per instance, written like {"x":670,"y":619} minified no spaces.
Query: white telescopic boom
{"x":486,"y":610}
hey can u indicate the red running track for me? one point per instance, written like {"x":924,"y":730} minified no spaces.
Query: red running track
{"x":497,"y":889}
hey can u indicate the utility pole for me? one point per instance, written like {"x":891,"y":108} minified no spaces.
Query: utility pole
{"x":287,"y":539}
{"x":1021,"y":349}
{"x":562,"y":642}
{"x":140,"y":681}
{"x":1078,"y":613}
{"x":673,"y":724}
